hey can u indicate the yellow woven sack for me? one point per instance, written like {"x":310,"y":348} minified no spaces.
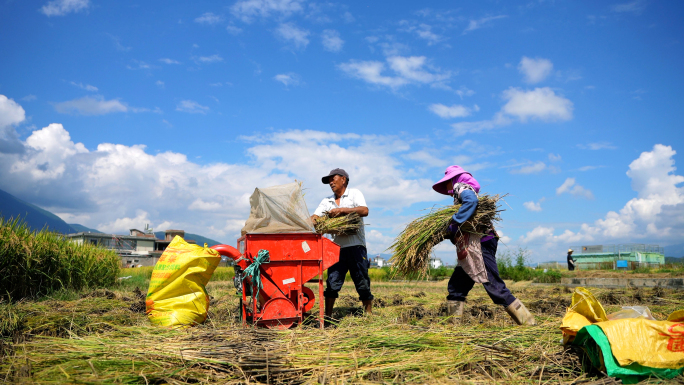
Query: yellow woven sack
{"x":177,"y":296}
{"x":585,"y":310}
{"x":655,"y":344}
{"x":658,"y":344}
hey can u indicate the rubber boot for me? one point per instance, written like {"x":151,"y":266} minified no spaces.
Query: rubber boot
{"x":368,"y":306}
{"x":520,"y":314}
{"x":329,"y":304}
{"x":455,"y":310}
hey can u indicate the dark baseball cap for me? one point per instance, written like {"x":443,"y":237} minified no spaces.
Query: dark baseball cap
{"x":337,"y":171}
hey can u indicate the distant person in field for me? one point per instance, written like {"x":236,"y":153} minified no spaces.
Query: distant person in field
{"x":571,"y":261}
{"x":476,"y":253}
{"x":353,"y":254}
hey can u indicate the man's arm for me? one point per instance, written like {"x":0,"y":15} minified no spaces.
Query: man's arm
{"x":359,"y":202}
{"x":319,"y":210}
{"x":361,"y":210}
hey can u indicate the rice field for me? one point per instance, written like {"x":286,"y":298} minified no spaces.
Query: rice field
{"x":103,"y":336}
{"x":36,"y":263}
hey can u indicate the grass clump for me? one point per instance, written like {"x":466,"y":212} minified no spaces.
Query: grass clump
{"x":518,"y":271}
{"x":39,"y":263}
{"x":341,"y":225}
{"x":412,"y":249}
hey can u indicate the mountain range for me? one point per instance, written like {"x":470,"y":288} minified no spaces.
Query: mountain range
{"x":38,"y":219}
{"x":35,"y":217}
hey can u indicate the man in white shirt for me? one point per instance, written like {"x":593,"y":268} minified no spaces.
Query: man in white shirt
{"x":353,"y":255}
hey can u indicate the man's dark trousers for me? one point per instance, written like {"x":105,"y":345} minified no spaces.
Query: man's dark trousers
{"x":353,"y":259}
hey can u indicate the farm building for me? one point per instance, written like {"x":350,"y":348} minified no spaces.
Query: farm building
{"x":625,"y":256}
{"x":436,"y":263}
{"x":140,"y":248}
{"x":378,"y":261}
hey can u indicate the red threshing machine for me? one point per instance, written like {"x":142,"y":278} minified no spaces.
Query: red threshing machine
{"x":295,"y":258}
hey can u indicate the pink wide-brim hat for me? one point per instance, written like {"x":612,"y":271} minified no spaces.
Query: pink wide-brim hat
{"x":450,"y":173}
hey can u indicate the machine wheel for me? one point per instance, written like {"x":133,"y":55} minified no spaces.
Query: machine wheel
{"x":309,"y":294}
{"x":278,"y":313}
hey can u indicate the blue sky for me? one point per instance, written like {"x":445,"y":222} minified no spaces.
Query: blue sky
{"x":118,"y":114}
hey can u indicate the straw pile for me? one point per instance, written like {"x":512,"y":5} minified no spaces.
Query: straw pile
{"x":341,"y":225}
{"x":412,"y":248}
{"x":408,"y":340}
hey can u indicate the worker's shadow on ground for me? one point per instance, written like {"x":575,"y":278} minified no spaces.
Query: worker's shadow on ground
{"x":338,"y":314}
{"x":346,"y":311}
{"x":346,"y":306}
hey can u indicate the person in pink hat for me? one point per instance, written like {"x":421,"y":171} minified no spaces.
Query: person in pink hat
{"x":476,"y":253}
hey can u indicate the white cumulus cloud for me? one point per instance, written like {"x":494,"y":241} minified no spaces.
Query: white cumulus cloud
{"x":90,"y":105}
{"x":52,"y":147}
{"x":531,"y":168}
{"x":571,"y":187}
{"x":233,"y":30}
{"x":533,"y":206}
{"x":407,"y":70}
{"x":86,"y":87}
{"x":201,"y":205}
{"x":248,"y":10}
{"x":166,"y":60}
{"x":540,"y":103}
{"x":116,"y":187}
{"x":453,"y":111}
{"x":654,"y":215}
{"x":126,"y":223}
{"x":634,"y":7}
{"x":535,"y":70}
{"x":209,"y":18}
{"x":537,"y":104}
{"x":191,"y":107}
{"x":63,"y":7}
{"x":464,"y":91}
{"x":290,"y":33}
{"x":479,"y":23}
{"x":597,"y":146}
{"x":209,"y":59}
{"x":423,"y":31}
{"x":371,"y":72}
{"x":288,"y":79}
{"x":554,"y":157}
{"x":11,"y":113}
{"x":332,"y":41}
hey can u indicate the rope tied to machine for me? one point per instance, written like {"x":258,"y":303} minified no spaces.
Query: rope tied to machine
{"x":253,"y":272}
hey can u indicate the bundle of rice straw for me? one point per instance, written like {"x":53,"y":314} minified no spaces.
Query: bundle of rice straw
{"x":412,"y":248}
{"x":341,"y":225}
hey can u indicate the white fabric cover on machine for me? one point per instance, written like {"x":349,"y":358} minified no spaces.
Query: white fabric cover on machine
{"x":278,"y":209}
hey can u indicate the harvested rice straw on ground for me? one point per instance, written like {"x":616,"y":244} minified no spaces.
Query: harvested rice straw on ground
{"x":342,"y":225}
{"x":412,"y":248}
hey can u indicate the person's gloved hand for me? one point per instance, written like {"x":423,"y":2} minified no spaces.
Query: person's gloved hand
{"x":452,"y":230}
